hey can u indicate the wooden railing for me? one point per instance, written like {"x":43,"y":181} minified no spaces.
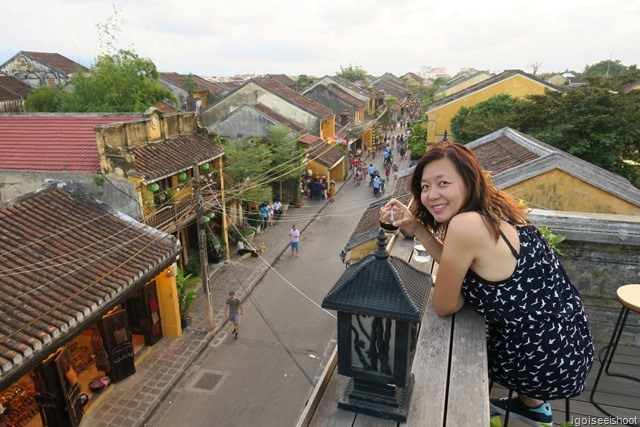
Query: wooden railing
{"x":169,"y":217}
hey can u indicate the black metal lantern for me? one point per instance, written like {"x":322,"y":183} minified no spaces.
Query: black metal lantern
{"x":380,"y":301}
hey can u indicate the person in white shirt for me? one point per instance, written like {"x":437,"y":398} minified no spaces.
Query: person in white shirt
{"x":277,"y":210}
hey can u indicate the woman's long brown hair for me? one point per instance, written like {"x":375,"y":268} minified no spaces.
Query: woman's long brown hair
{"x":482,"y":197}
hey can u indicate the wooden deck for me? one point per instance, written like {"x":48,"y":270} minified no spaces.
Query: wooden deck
{"x":620,"y":397}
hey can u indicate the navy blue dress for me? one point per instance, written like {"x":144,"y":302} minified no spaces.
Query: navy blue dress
{"x":539,"y":340}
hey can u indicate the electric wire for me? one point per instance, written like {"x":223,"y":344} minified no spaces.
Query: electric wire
{"x":367,"y":201}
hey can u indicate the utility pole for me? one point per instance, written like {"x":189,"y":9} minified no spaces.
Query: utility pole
{"x":202,"y":247}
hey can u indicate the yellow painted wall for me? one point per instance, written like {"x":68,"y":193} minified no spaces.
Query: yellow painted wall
{"x":440,"y":118}
{"x":557,"y":190}
{"x":328,"y":128}
{"x":466,"y":83}
{"x":364,"y":249}
{"x":168,"y":303}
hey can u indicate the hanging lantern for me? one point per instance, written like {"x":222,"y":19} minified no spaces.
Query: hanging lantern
{"x":153,"y":187}
{"x":182,"y":176}
{"x":204,"y":166}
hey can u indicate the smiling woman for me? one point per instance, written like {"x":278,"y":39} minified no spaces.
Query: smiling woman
{"x":492,"y":257}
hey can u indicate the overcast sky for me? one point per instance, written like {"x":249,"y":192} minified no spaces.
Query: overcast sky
{"x":225,"y":38}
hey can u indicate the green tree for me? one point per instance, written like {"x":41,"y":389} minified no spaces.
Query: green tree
{"x":607,"y":68}
{"x":593,"y":123}
{"x":286,"y":155}
{"x":352,"y":73}
{"x":418,"y":138}
{"x":247,"y":163}
{"x":597,"y":122}
{"x":304,"y":81}
{"x":190,"y":84}
{"x":46,"y":99}
{"x":123,"y":82}
{"x":483,"y":118}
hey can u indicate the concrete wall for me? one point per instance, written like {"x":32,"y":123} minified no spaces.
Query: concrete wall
{"x":322,"y":96}
{"x":251,"y":93}
{"x":115,"y":192}
{"x":602,"y":253}
{"x":245,"y":122}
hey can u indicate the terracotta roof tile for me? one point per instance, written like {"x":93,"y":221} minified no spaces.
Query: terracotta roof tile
{"x":58,"y":142}
{"x":156,"y":161}
{"x":344,"y":96}
{"x":324,"y":153}
{"x":502,"y":154}
{"x":57,"y":61}
{"x":16,"y":86}
{"x":66,"y":258}
{"x":295,"y":98}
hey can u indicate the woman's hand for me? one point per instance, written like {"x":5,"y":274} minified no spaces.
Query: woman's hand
{"x":408,"y":223}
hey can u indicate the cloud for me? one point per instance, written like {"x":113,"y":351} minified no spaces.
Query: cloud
{"x":266,"y":36}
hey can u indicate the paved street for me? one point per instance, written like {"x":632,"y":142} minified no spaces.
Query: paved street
{"x":206,"y":378}
{"x":254,"y":380}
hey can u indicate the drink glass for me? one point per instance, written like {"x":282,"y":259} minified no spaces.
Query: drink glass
{"x":388,"y":215}
{"x":419,"y":254}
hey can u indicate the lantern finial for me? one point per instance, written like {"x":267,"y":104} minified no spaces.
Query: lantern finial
{"x":381,"y":253}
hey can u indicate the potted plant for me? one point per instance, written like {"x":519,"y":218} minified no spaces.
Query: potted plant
{"x":186,"y":285}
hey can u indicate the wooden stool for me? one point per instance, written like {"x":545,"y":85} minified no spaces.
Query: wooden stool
{"x":629,"y":297}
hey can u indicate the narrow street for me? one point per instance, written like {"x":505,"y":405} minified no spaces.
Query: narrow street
{"x":254,"y":380}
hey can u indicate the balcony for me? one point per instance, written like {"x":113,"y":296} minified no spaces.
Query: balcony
{"x":169,"y":216}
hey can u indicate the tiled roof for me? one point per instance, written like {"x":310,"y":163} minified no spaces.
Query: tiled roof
{"x":53,"y":142}
{"x":367,"y":227}
{"x":507,"y":158}
{"x":165,"y":158}
{"x":344,"y":96}
{"x":402,"y":191}
{"x":369,"y":224}
{"x":380,"y":285}
{"x":15,"y":86}
{"x":231,"y":86}
{"x":277,"y":117}
{"x":57,"y":61}
{"x":324,"y":153}
{"x":349,"y":84}
{"x":486,"y":83}
{"x":66,"y":259}
{"x":295,"y":98}
{"x":502,"y":154}
{"x":177,"y":80}
{"x":283,"y":80}
{"x":206,"y":85}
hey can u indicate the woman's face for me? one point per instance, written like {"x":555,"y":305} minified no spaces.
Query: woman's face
{"x":443,"y":190}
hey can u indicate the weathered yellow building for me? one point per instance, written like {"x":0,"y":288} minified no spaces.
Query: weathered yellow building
{"x":513,"y":82}
{"x":548,"y":178}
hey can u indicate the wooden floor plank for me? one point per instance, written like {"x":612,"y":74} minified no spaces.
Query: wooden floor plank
{"x":619,"y":396}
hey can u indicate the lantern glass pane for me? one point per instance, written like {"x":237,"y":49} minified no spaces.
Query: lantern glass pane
{"x":373,"y":343}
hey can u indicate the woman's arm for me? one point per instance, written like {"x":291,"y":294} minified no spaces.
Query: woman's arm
{"x":466,"y":236}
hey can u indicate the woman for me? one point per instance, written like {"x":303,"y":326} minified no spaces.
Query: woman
{"x":539,"y":342}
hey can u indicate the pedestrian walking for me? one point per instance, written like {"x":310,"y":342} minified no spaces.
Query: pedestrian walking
{"x":233,"y":309}
{"x":294,"y":234}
